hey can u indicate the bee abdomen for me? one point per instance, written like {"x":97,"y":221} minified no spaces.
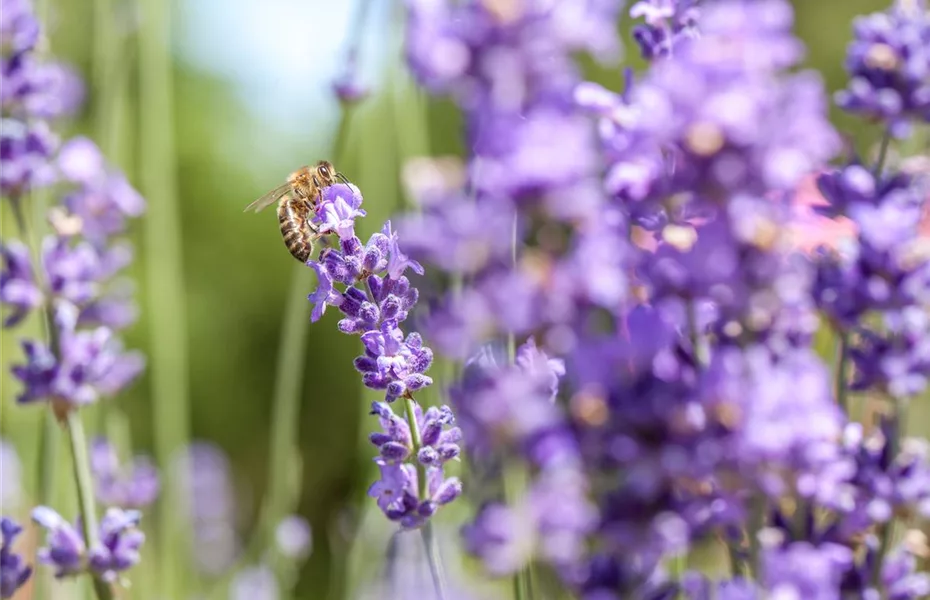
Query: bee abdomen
{"x":294,"y":216}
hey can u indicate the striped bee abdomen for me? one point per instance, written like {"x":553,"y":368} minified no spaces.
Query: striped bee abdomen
{"x":298,"y":233}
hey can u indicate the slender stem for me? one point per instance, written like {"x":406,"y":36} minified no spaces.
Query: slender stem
{"x":411,"y":415}
{"x":429,"y":541}
{"x":85,"y":492}
{"x":842,"y":367}
{"x":18,"y":216}
{"x":434,"y":559}
{"x":756,"y":523}
{"x":882,"y":153}
{"x":165,"y":270}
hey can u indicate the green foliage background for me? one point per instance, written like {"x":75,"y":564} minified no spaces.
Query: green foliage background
{"x":237,"y":274}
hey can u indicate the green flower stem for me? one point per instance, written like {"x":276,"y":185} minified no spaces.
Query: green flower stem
{"x":694,"y":335}
{"x":165,"y":283}
{"x":85,"y":492}
{"x":434,"y":559}
{"x":429,"y":541}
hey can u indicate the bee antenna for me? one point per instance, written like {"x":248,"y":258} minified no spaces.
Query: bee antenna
{"x":343,"y":178}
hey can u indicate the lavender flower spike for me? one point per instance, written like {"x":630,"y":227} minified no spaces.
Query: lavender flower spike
{"x":376,"y":299}
{"x":13,"y":569}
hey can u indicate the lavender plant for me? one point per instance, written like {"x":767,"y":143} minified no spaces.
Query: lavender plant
{"x":649,"y":247}
{"x":376,"y":299}
{"x":74,"y":282}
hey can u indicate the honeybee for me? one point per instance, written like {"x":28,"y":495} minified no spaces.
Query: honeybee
{"x":298,"y":201}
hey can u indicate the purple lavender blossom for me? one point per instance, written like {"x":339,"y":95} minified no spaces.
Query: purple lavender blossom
{"x":805,"y":571}
{"x":398,"y":492}
{"x":376,"y":299}
{"x":13,"y":569}
{"x":19,"y":28}
{"x":120,"y":543}
{"x":438,"y":438}
{"x":876,"y":484}
{"x":117,"y":551}
{"x":888,"y":66}
{"x":65,"y":546}
{"x":103,"y":199}
{"x":90,"y":364}
{"x":24,"y":156}
{"x":136,"y":485}
{"x":18,"y":288}
{"x":667,"y":22}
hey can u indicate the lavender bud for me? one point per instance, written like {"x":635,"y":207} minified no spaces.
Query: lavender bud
{"x":376,"y":285}
{"x":365,"y":364}
{"x":428,"y":456}
{"x":417,"y":381}
{"x":395,"y":390}
{"x":372,"y":258}
{"x":431,"y":431}
{"x":349,"y":326}
{"x":422,"y":360}
{"x":375,"y":381}
{"x":393,"y":451}
{"x":390,"y":307}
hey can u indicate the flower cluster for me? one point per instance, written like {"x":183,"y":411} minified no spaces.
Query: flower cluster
{"x":13,"y":569}
{"x":67,"y":551}
{"x":33,"y":92}
{"x":691,"y":397}
{"x":376,"y":299}
{"x":888,"y":67}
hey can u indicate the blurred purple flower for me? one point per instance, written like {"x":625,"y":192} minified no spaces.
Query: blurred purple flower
{"x":19,"y":28}
{"x":24,"y":156}
{"x":801,"y":570}
{"x":666,"y":23}
{"x":13,"y":568}
{"x":210,"y":502}
{"x":134,"y":486}
{"x":18,"y":288}
{"x":103,"y":199}
{"x":888,"y":66}
{"x":294,"y":537}
{"x":91,"y":364}
{"x":120,"y":541}
{"x":66,"y":550}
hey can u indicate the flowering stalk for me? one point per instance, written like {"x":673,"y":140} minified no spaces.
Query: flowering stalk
{"x":72,"y":280}
{"x":376,"y":299}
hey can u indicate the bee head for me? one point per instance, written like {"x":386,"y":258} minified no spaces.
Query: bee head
{"x":326,"y":172}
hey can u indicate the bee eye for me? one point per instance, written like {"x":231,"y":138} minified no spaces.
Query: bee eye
{"x":324,"y":171}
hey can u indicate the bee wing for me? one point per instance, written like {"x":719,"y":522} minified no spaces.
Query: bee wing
{"x":269,"y":198}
